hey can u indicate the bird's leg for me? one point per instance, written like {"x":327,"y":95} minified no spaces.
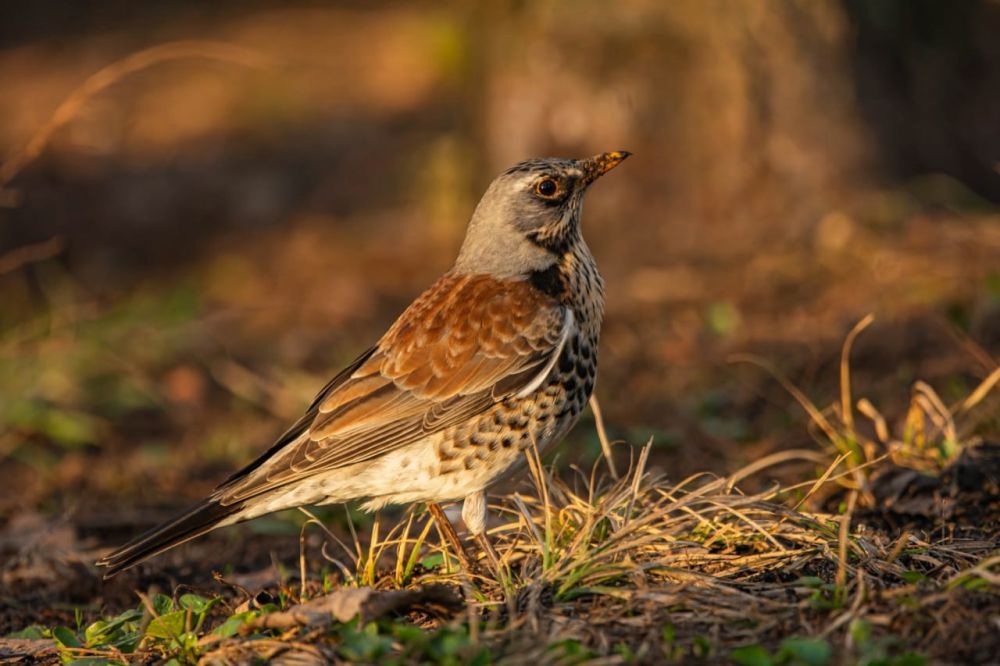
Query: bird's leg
{"x":449,"y":534}
{"x":484,"y":542}
{"x":474,"y":515}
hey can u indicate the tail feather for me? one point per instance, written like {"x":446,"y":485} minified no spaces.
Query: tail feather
{"x":199,"y":519}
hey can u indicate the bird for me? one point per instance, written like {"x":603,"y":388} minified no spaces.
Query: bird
{"x":498,"y":356}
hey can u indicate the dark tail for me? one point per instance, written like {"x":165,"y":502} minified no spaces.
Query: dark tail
{"x":197,"y":520}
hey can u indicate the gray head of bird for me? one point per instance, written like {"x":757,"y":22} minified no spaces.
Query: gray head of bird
{"x":530,"y":215}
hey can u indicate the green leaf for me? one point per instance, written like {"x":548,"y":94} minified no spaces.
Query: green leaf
{"x":449,"y":643}
{"x":96,"y":633}
{"x":197,"y":604}
{"x":162,"y":604}
{"x":64,"y":426}
{"x":809,"y":581}
{"x":70,"y":428}
{"x":810,"y":651}
{"x":723,"y":318}
{"x":233,"y":623}
{"x":913,"y":576}
{"x":976,"y":583}
{"x":364,"y":645}
{"x":168,"y":625}
{"x":32,"y":633}
{"x":432,"y":561}
{"x":131,"y":615}
{"x":569,"y":651}
{"x":121,"y":631}
{"x":409,"y":635}
{"x":860,"y":631}
{"x":751,"y":655}
{"x":65,"y":637}
{"x":481,"y":658}
{"x":623,"y":650}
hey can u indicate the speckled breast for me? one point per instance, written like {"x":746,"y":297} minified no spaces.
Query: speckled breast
{"x":492,"y":445}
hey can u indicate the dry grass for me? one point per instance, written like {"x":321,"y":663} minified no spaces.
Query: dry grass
{"x":642,"y":568}
{"x":623,"y":564}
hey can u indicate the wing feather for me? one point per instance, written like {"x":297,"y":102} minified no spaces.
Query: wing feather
{"x":466,"y":344}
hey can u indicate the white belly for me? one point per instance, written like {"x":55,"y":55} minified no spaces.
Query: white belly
{"x":407,"y":475}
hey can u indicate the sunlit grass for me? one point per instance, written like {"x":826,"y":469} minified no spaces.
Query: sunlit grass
{"x":776,"y":576}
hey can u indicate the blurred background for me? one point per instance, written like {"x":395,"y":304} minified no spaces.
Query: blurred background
{"x":207,"y":209}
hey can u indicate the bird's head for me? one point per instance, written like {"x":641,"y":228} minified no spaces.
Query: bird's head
{"x":530,"y":215}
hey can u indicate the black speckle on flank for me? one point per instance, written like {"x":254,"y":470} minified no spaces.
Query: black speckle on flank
{"x":565,"y":363}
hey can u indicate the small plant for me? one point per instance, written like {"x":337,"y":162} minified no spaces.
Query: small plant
{"x":171,"y":629}
{"x":932,"y":436}
{"x":792,"y":652}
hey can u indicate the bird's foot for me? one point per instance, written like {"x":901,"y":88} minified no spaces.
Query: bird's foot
{"x":491,"y":555}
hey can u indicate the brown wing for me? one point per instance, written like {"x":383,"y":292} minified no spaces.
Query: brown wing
{"x":467,"y":343}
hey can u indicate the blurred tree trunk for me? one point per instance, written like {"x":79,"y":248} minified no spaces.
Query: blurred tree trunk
{"x":742,"y":113}
{"x":928,"y":76}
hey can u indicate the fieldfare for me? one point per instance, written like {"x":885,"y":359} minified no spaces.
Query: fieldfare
{"x":498,"y":355}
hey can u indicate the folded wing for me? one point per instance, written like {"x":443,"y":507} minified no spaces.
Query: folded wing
{"x":466,"y":344}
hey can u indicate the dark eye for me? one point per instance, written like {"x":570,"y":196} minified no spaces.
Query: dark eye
{"x":547,"y":187}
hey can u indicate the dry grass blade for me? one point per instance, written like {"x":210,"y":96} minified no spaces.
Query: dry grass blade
{"x":822,"y":479}
{"x":404,"y":538}
{"x":869,"y":410}
{"x":312,"y":519}
{"x":542,"y":487}
{"x":602,"y":435}
{"x":528,"y":520}
{"x":979,"y":393}
{"x":935,"y":409}
{"x":846,"y":413}
{"x":773,"y":459}
{"x":637,"y":475}
{"x":842,"y":539}
{"x":814,"y":414}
